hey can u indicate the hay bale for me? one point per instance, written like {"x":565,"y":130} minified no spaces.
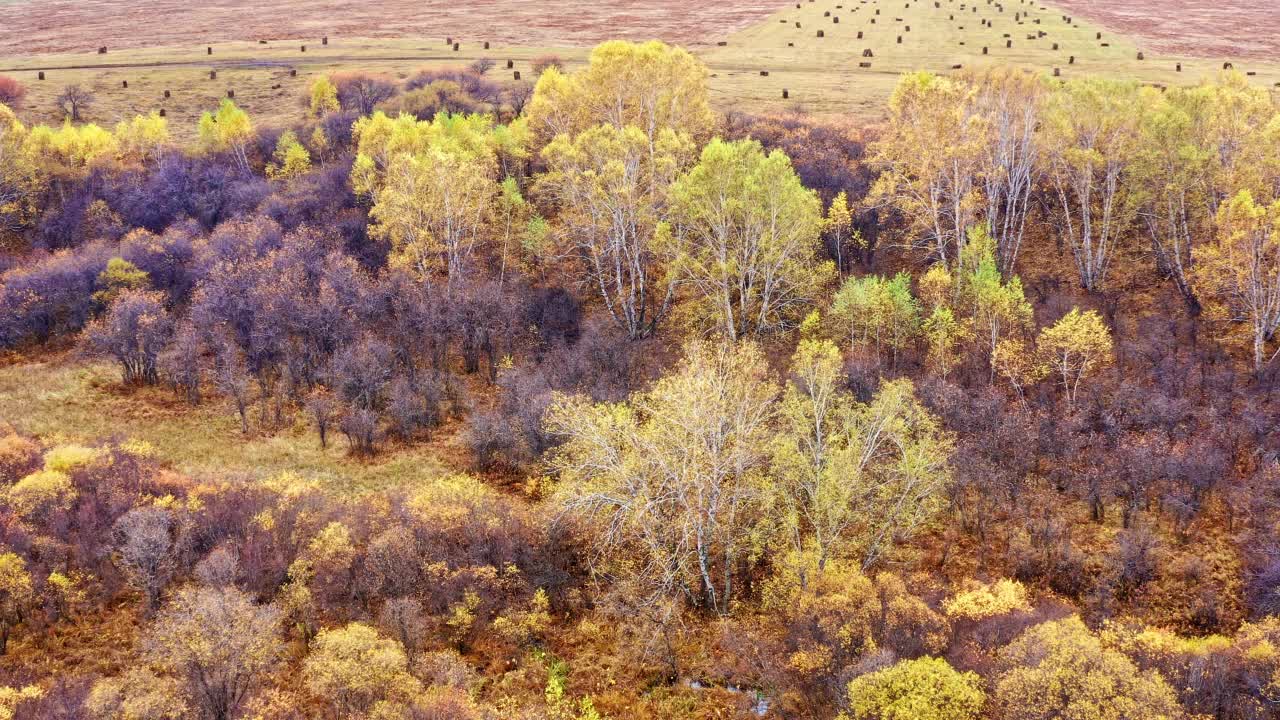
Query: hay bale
{"x":1251,"y":73}
{"x":764,"y":73}
{"x":1071,"y":60}
{"x":1057,"y":72}
{"x":868,"y":53}
{"x":1055,"y":46}
{"x":209,"y":50}
{"x":293,"y":72}
{"x":797,"y":23}
{"x":791,"y":44}
{"x":785,"y":94}
{"x":825,"y":14}
{"x":986,"y":50}
{"x":1227,"y":66}
{"x":231,"y":93}
{"x":166,"y":94}
{"x":1106,"y":44}
{"x":722,"y":43}
{"x":956,"y":67}
{"x":907,"y":29}
{"x":448,"y":41}
{"x":1178,"y":68}
{"x":1099,"y":36}
{"x":102,"y":50}
{"x":859,"y":35}
{"x":1008,"y":43}
{"x":864,"y":64}
{"x":324,"y":40}
{"x":262,"y":42}
{"x":899,"y":39}
{"x":213,"y":74}
{"x":304,"y":48}
{"x":456,"y":46}
{"x":517,"y":75}
{"x":1142,"y":56}
{"x":161,"y":112}
{"x":124,"y":84}
{"x":821,"y":34}
{"x":510,"y":64}
{"x":40,"y":75}
{"x":836,"y":20}
{"x":486,"y":44}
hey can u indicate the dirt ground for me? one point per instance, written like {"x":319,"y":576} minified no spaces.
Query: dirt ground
{"x":1203,"y":28}
{"x":57,"y":26}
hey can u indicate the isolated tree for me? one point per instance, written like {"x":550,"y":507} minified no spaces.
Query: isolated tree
{"x":362,"y":92}
{"x":219,"y":643}
{"x":74,"y":100}
{"x":612,"y":190}
{"x":1071,"y":675}
{"x":744,"y":238}
{"x":323,"y":97}
{"x":17,"y":597}
{"x":228,"y":130}
{"x":1240,"y":271}
{"x":1091,"y":141}
{"x":921,"y":689}
{"x":931,"y":153}
{"x":667,"y":483}
{"x":353,"y":671}
{"x":1074,"y":348}
{"x":650,"y":86}
{"x":134,"y":330}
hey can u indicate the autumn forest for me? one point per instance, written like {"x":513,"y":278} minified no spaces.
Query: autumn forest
{"x":966,"y":411}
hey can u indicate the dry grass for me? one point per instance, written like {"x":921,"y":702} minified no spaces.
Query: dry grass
{"x":821,"y":74}
{"x":65,"y":400}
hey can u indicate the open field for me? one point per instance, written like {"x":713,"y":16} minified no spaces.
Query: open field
{"x":62,"y":399}
{"x":45,"y":26}
{"x":1205,"y":28}
{"x":822,"y":74}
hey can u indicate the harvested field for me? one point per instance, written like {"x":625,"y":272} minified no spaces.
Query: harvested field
{"x":61,"y":26}
{"x":1199,"y":28}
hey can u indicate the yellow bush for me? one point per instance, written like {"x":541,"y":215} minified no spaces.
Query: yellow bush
{"x":984,"y":601}
{"x":42,"y":491}
{"x":65,"y":458}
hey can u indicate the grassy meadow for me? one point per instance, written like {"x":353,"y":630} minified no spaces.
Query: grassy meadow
{"x":65,"y":400}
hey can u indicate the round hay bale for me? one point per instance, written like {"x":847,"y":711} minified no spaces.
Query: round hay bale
{"x":1008,"y":43}
{"x":1057,"y":72}
{"x":859,"y":35}
{"x":510,"y":64}
{"x":304,"y":48}
{"x":293,"y":72}
{"x":1178,"y":68}
{"x":324,"y":40}
{"x":161,"y":112}
{"x":517,"y":75}
{"x":986,"y":50}
{"x":1227,"y":66}
{"x":764,"y":73}
{"x":486,"y":44}
{"x":868,"y":53}
{"x":836,"y":20}
{"x":40,"y":75}
{"x":124,"y":84}
{"x":785,"y":94}
{"x":1071,"y":60}
{"x":166,"y":94}
{"x":821,"y":34}
{"x":231,"y":93}
{"x":456,"y":46}
{"x":899,"y":39}
{"x":102,"y":50}
{"x":213,"y":74}
{"x":864,"y":64}
{"x":209,"y":50}
{"x":1142,"y":56}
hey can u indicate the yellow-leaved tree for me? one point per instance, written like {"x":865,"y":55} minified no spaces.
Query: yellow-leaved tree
{"x":744,"y":238}
{"x":922,"y":689}
{"x":355,"y":672}
{"x":1239,"y":272}
{"x":1074,"y":348}
{"x":228,"y":130}
{"x":852,"y":477}
{"x":650,"y":86}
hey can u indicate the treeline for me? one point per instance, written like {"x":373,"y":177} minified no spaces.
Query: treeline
{"x":970,"y":412}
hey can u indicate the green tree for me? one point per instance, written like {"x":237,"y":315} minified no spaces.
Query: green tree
{"x":997,"y":308}
{"x":744,"y":238}
{"x":880,"y":313}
